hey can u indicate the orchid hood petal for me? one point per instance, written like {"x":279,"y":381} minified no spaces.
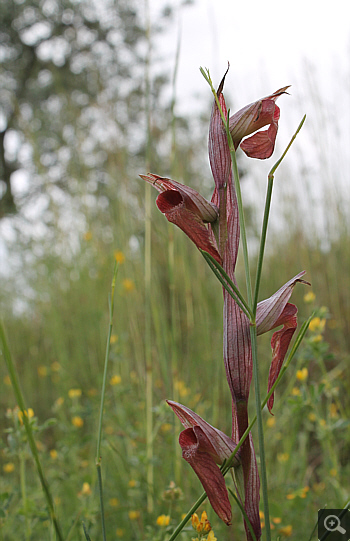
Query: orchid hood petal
{"x":187,"y":209}
{"x":222,"y":445}
{"x":252,"y":118}
{"x":195,"y":444}
{"x":272,"y":313}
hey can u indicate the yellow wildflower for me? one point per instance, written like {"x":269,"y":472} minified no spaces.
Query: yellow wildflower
{"x":119,"y":532}
{"x":53,"y":454}
{"x":30,"y":414}
{"x":181,"y":388}
{"x":302,"y":374}
{"x":286,"y":530}
{"x":323,"y":422}
{"x":295,"y":391}
{"x":211,"y":536}
{"x":261,"y":514}
{"x":282,"y":457}
{"x":7,"y":380}
{"x":309,"y":297}
{"x":128,"y":284}
{"x":77,"y":421}
{"x":312,"y":417}
{"x":202,"y":525}
{"x":119,"y":257}
{"x":319,"y":487}
{"x":195,"y":521}
{"x":316,"y":339}
{"x":163,"y":520}
{"x":114,"y":502}
{"x":86,"y":490}
{"x":59,"y":402}
{"x":132,"y":483}
{"x":271,"y":421}
{"x":276,"y":520}
{"x":9,"y":467}
{"x":304,"y":491}
{"x":133,"y":515}
{"x":290,"y":496}
{"x":333,"y":411}
{"x":74,"y":393}
{"x":55,"y":366}
{"x":42,"y":371}
{"x":115,"y":380}
{"x":114,"y":338}
{"x":317,"y":325}
{"x":165,"y":427}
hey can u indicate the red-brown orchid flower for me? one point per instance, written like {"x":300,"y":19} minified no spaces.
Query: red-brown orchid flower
{"x":252,"y":118}
{"x":203,"y":447}
{"x":187,"y":209}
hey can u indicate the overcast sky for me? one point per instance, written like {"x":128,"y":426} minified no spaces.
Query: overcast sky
{"x":266,"y":43}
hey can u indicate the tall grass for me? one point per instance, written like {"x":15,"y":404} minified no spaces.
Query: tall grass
{"x":58,"y":346}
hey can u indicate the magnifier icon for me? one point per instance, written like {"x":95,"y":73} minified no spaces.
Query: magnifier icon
{"x":332,"y":524}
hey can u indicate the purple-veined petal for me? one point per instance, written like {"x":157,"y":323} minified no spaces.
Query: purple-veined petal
{"x":187,"y":209}
{"x":223,"y":445}
{"x":219,"y":152}
{"x":271,"y":313}
{"x":194,"y":444}
{"x":269,"y":310}
{"x":280,"y":342}
{"x":253,"y":117}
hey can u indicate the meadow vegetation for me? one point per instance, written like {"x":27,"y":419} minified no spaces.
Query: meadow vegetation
{"x":54,"y":304}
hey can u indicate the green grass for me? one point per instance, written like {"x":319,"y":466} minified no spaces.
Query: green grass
{"x":60,"y":346}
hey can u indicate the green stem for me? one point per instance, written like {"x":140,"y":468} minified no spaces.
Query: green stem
{"x":187,"y":517}
{"x":224,"y":278}
{"x":266,"y":216}
{"x":20,"y":401}
{"x":99,"y":476}
{"x":22,"y":470}
{"x":103,"y":394}
{"x":104,"y":380}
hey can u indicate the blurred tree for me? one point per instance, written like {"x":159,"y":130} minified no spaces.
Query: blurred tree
{"x":72,"y":79}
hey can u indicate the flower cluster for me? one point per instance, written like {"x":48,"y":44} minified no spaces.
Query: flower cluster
{"x":214,"y":228}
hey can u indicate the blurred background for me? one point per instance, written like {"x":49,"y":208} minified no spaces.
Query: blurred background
{"x":92,"y":94}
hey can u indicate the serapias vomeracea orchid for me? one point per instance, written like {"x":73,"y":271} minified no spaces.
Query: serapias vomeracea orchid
{"x":214,"y":227}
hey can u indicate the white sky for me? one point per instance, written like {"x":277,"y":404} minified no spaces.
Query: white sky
{"x":266,"y":43}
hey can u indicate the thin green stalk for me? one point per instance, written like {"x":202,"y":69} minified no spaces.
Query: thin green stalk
{"x":148,"y":273}
{"x":224,"y":278}
{"x":22,"y":470}
{"x":104,"y":380}
{"x":103,"y":394}
{"x":184,"y":521}
{"x":250,"y":527}
{"x":266,"y":216}
{"x":20,"y":401}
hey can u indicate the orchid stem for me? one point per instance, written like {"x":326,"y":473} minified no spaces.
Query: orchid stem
{"x":224,"y":278}
{"x":266,"y":216}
